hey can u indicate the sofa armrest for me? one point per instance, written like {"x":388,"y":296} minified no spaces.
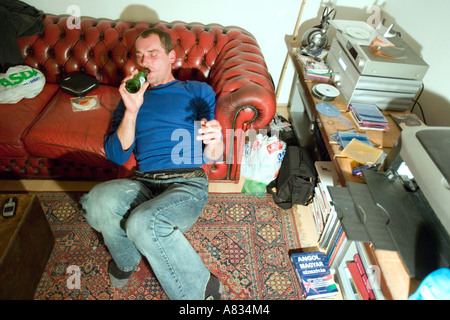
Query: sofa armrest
{"x":245,"y":96}
{"x":244,"y":88}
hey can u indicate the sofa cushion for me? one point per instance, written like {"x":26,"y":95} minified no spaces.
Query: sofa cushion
{"x":15,"y":119}
{"x":61,"y":133}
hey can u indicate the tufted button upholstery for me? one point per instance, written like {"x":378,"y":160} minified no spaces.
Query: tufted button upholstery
{"x":228,"y":58}
{"x":202,"y":51}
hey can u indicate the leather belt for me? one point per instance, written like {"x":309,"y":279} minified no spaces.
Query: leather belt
{"x":172,"y":174}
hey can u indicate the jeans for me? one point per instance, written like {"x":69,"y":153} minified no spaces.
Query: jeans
{"x":148,"y":217}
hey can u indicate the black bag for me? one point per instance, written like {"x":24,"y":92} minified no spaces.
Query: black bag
{"x":79,"y":84}
{"x":296,"y":180}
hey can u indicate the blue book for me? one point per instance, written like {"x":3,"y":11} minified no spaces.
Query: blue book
{"x":314,"y":274}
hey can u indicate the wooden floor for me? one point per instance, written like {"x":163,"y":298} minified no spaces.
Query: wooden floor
{"x":45,"y":185}
{"x":55,"y":186}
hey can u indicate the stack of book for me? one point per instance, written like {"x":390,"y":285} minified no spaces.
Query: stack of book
{"x":314,"y":68}
{"x":314,"y":274}
{"x":354,"y":263}
{"x":368,"y":117}
{"x":321,"y":208}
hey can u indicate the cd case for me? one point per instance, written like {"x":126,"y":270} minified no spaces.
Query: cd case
{"x":361,"y":152}
{"x":84,"y":103}
{"x":343,"y":138}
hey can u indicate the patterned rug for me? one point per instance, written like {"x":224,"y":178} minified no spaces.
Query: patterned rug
{"x":244,"y":240}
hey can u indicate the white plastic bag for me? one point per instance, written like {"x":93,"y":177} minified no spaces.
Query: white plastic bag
{"x":20,"y":82}
{"x":270,"y":158}
{"x":263,"y":160}
{"x":250,"y":157}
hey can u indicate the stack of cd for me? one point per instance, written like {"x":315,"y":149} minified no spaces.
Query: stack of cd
{"x":325,"y":92}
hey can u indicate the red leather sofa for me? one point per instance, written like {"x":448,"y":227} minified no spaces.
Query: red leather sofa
{"x":43,"y":138}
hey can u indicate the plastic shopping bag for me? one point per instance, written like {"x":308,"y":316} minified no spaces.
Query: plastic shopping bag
{"x":250,"y":157}
{"x":270,"y":158}
{"x":262,"y":158}
{"x":20,"y":82}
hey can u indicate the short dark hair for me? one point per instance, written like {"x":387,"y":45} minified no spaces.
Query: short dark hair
{"x":166,"y":39}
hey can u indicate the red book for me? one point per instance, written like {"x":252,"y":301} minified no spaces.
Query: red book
{"x":357,"y":278}
{"x":363,"y":273}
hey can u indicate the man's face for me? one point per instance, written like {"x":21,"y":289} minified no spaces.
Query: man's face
{"x":150,"y":54}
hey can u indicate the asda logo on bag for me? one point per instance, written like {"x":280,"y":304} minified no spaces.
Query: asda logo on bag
{"x":16,"y":78}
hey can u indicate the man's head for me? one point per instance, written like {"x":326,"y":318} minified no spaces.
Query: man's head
{"x":164,"y":37}
{"x":154,"y":50}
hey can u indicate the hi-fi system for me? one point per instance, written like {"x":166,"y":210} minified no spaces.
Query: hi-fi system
{"x":365,"y":77}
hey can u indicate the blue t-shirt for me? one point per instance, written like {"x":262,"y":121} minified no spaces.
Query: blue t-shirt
{"x":166,"y":127}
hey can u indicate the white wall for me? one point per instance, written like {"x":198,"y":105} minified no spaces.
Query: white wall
{"x":423,"y":22}
{"x":425,"y":26}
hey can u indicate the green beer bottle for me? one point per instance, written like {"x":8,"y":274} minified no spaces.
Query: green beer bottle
{"x":134,"y":84}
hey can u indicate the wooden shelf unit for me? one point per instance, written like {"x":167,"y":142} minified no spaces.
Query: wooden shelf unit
{"x":395,"y":281}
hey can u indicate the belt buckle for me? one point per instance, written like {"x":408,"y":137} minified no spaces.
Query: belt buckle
{"x":160,"y":175}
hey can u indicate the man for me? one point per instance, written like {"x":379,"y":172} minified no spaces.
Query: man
{"x":148,"y":215}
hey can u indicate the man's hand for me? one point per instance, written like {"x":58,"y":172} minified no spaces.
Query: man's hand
{"x":132,"y":101}
{"x":211,"y":135}
{"x":210,"y":132}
